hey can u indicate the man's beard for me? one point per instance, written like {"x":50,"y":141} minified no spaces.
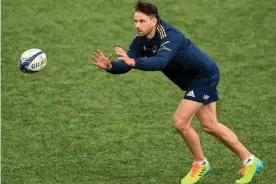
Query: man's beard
{"x":145,"y":34}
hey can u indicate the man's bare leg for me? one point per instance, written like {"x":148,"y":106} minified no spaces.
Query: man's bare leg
{"x":182,"y":122}
{"x":208,"y":118}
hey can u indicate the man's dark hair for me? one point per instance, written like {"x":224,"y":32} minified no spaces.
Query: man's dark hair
{"x":146,"y":8}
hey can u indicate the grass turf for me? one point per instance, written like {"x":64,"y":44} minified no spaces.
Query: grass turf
{"x":73,"y":123}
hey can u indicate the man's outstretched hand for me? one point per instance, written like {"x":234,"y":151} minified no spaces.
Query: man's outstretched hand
{"x":123,"y":56}
{"x":102,"y":61}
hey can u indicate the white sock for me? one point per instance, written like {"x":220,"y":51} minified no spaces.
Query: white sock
{"x":248,"y":161}
{"x":203,"y":162}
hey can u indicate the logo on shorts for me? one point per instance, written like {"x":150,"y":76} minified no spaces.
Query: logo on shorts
{"x":191,"y":94}
{"x":206,"y":97}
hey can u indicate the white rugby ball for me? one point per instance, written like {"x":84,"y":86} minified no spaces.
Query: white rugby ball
{"x":32,"y":60}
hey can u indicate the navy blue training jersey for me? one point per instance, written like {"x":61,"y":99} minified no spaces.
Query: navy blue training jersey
{"x":170,"y":52}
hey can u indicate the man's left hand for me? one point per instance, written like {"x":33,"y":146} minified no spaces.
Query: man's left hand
{"x":123,"y":56}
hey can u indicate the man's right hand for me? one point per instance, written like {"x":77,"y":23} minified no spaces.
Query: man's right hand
{"x":102,"y":61}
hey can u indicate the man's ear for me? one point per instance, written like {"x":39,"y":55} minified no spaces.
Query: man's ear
{"x":155,"y":21}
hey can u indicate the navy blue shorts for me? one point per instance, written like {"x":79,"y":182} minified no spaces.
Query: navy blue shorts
{"x":205,"y":90}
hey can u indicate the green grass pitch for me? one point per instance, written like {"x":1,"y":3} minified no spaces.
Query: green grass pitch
{"x":75,"y":124}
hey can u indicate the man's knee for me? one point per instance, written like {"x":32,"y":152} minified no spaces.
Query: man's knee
{"x":181,"y":123}
{"x":209,"y":126}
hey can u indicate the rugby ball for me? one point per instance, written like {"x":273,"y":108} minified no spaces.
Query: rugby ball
{"x":32,"y":61}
